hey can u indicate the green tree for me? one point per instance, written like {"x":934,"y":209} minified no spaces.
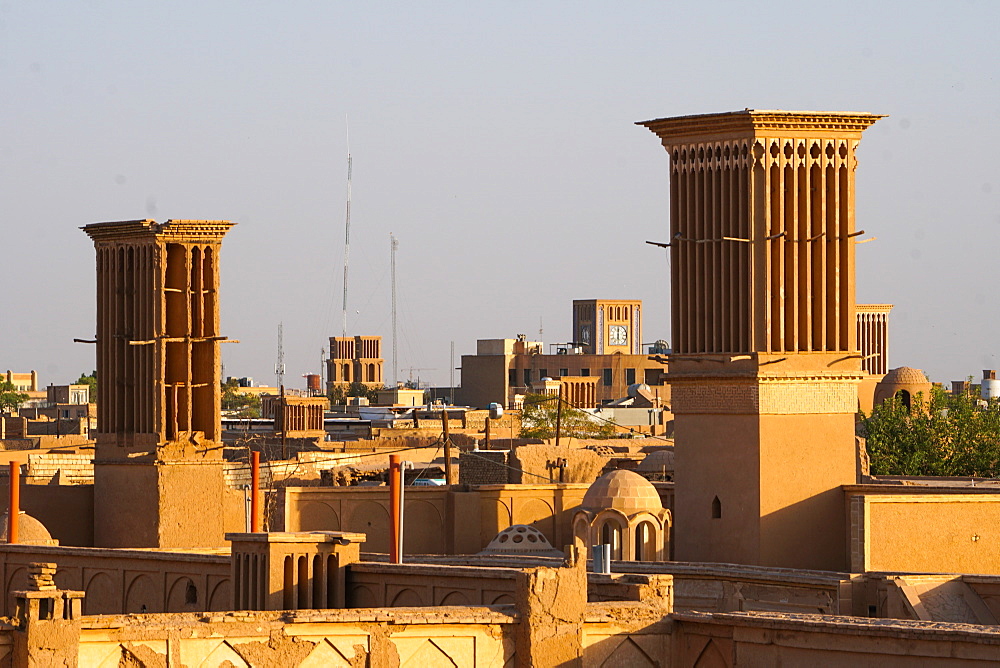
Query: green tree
{"x":238,"y":403}
{"x":538,"y":420}
{"x":91,"y":380}
{"x":10,"y":398}
{"x":946,"y":435}
{"x":340,"y":393}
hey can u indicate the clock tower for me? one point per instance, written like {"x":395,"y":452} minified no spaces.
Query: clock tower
{"x":606,"y":326}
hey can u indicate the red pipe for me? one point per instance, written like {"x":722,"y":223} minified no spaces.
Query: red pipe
{"x":14,"y":507}
{"x":395,"y":490}
{"x":254,"y":492}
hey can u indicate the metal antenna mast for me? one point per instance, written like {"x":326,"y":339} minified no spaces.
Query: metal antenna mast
{"x":279,"y":365}
{"x":347,"y":228}
{"x":393,"y":245}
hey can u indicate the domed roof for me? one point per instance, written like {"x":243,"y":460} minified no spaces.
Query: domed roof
{"x":622,"y":490}
{"x":29,"y":531}
{"x":657,"y":461}
{"x":521,"y":539}
{"x":905,"y":375}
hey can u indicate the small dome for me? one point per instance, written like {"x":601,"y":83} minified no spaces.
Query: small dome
{"x":29,"y":531}
{"x":905,"y":382}
{"x":905,"y":375}
{"x":622,"y":490}
{"x":521,"y":539}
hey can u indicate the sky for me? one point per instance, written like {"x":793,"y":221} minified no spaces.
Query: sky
{"x":495,"y":141}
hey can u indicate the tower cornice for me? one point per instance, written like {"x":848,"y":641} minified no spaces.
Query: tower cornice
{"x":759,"y":123}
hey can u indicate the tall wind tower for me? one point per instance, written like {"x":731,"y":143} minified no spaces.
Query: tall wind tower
{"x":765,"y":363}
{"x":158,"y":453}
{"x":347,"y":232}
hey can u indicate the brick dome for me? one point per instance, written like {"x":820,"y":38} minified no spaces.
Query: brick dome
{"x":905,"y":375}
{"x":657,"y":461}
{"x":905,"y":381}
{"x":624,"y":491}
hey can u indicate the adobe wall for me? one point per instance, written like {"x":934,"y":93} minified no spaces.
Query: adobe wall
{"x":120,"y":581}
{"x":378,"y":585}
{"x":736,"y":588}
{"x":534,"y":464}
{"x":177,"y":505}
{"x":67,"y":511}
{"x":955,"y":532}
{"x":386,"y":585}
{"x":774,"y":639}
{"x":437,"y":521}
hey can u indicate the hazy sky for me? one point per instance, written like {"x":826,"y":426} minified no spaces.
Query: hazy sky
{"x":495,"y":140}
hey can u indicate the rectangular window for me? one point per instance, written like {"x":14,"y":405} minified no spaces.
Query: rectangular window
{"x":527,"y":377}
{"x":608,"y":378}
{"x":512,"y":377}
{"x":543,"y":373}
{"x":629,"y":376}
{"x":563,"y":372}
{"x":584,"y":371}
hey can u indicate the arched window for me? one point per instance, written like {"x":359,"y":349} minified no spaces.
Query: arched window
{"x":716,"y":508}
{"x":611,"y":534}
{"x":904,"y":398}
{"x":645,"y":542}
{"x":288,"y":598}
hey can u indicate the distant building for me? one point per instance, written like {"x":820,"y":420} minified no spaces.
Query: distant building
{"x":502,"y":370}
{"x":873,"y":342}
{"x":75,"y":395}
{"x":605,"y":326}
{"x":23,"y":382}
{"x":354,"y":359}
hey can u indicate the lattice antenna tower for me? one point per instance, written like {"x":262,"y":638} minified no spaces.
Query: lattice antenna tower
{"x":347,"y":230}
{"x":393,"y":245}
{"x":279,"y":365}
{"x":322,"y":369}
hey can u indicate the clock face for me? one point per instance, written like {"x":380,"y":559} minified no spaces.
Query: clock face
{"x":618,"y":335}
{"x":585,"y":334}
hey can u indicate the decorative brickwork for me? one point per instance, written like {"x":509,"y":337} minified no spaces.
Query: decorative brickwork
{"x":766,"y":397}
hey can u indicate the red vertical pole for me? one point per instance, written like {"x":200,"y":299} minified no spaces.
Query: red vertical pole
{"x":14,"y":508}
{"x":395,"y":490}
{"x":254,"y":492}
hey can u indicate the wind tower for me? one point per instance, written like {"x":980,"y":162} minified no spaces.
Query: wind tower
{"x":765,"y":361}
{"x":158,"y":461}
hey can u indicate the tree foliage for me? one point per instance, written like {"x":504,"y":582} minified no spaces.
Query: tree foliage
{"x":949,"y":435}
{"x":340,"y":393}
{"x":238,"y":403}
{"x":538,"y":420}
{"x":10,"y":398}
{"x":90,"y":380}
